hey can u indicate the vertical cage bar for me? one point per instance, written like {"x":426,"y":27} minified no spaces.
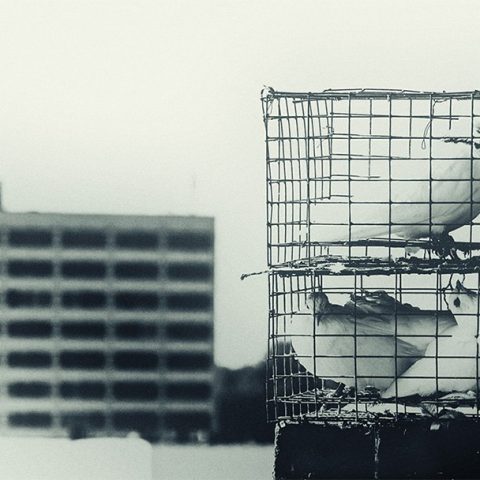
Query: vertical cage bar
{"x":390,"y":202}
{"x":269,"y":373}
{"x":268,"y":184}
{"x":309,"y":199}
{"x":355,"y":353}
{"x":313,"y":283}
{"x":438,"y":307}
{"x":430,"y":167}
{"x":349,"y":175}
{"x":477,"y":349}
{"x":292,"y":186}
{"x":472,"y":160}
{"x":396,"y":341}
{"x":370,"y":120}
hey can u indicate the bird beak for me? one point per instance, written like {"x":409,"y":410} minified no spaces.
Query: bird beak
{"x":461,"y":288}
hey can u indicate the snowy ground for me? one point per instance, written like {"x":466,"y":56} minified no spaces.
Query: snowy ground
{"x":130,"y":459}
{"x":237,"y":462}
{"x":62,"y":459}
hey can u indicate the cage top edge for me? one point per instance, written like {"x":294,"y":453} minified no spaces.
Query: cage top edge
{"x":268,"y":93}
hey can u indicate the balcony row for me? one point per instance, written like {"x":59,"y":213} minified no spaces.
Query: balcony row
{"x":125,"y":420}
{"x":57,"y":374}
{"x":98,"y":299}
{"x":95,"y":360}
{"x":99,"y":239}
{"x":100,"y":270}
{"x":134,"y":330}
{"x":129,"y":391}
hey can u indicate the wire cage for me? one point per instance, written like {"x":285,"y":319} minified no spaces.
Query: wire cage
{"x":368,"y":347}
{"x":383,"y":174}
{"x":372,"y":199}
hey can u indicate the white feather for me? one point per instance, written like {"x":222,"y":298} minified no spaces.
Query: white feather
{"x":445,"y":202}
{"x":325,"y":345}
{"x":450,"y":363}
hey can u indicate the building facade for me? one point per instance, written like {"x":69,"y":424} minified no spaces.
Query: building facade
{"x":106,"y":325}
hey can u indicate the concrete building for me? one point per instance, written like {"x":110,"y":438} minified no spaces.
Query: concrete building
{"x":106,"y":324}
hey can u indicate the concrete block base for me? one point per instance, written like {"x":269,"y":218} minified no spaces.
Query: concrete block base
{"x":424,"y":449}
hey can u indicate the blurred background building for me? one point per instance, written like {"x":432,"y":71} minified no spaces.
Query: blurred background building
{"x":106,"y":325}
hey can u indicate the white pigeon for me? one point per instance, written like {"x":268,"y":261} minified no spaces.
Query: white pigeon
{"x":419,"y":209}
{"x":322,"y":337}
{"x":456,"y":356}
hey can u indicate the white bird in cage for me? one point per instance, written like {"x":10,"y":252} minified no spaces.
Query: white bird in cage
{"x":421,"y":204}
{"x":323,"y":338}
{"x":456,"y":357}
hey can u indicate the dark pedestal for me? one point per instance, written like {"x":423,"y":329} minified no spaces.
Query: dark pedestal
{"x":422,"y":449}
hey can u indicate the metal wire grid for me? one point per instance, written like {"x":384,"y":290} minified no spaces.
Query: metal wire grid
{"x":338,"y":162}
{"x":297,"y":393}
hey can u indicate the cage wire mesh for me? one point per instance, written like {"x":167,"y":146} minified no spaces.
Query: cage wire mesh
{"x":372,"y":199}
{"x":370,"y":173}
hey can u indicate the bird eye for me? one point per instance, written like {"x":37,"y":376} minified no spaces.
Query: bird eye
{"x":456,"y":302}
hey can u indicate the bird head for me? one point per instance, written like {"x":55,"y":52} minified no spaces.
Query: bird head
{"x":462,"y":300}
{"x":317,"y":302}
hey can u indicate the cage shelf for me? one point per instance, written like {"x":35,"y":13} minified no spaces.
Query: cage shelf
{"x":337,"y":265}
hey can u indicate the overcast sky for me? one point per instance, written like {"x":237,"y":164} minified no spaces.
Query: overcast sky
{"x":152,"y":107}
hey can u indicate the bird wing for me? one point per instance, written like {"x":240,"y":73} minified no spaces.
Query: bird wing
{"x":329,"y":348}
{"x":378,"y":302}
{"x":378,"y":313}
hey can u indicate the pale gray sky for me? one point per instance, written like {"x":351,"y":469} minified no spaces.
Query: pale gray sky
{"x":153,"y":107}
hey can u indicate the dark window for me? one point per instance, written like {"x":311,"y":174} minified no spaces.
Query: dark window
{"x":84,"y":239}
{"x":83,"y":329}
{"x":188,"y":331}
{"x":30,"y":328}
{"x":135,"y":330}
{"x":136,"y":270}
{"x":189,"y":391}
{"x":30,"y":419}
{"x":135,"y":420}
{"x":188,"y":361}
{"x":187,"y":421}
{"x":136,"y":300}
{"x":30,"y":268}
{"x":129,"y":360}
{"x":84,"y":419}
{"x":30,"y":238}
{"x":135,"y":391}
{"x":28,"y":298}
{"x":189,"y":271}
{"x":137,"y":240}
{"x":189,"y":301}
{"x":87,"y":299}
{"x":83,"y":269}
{"x":190,"y":241}
{"x":84,"y":390}
{"x":29,"y":359}
{"x":29,"y":389}
{"x":82,"y":360}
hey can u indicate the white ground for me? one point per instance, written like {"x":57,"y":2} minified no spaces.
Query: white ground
{"x":61,"y":459}
{"x":130,"y":459}
{"x":237,"y":462}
